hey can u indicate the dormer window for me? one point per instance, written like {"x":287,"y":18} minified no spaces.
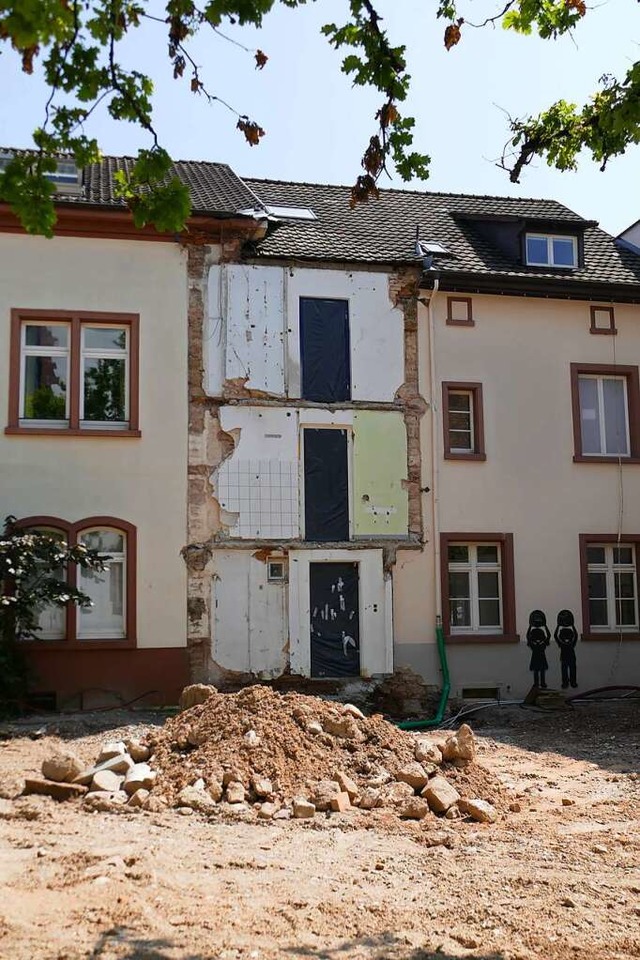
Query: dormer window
{"x":549,"y":250}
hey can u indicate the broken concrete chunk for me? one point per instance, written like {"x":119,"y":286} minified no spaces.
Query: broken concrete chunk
{"x":214,"y":789}
{"x":118,"y":764}
{"x":261,"y":786}
{"x":303,"y":809}
{"x":235,"y":792}
{"x":251,"y":738}
{"x":138,"y":798}
{"x":196,"y":693}
{"x":344,"y":727}
{"x":63,"y":767}
{"x":106,"y":780}
{"x":196,"y":735}
{"x":340,"y":802}
{"x":440,"y":795}
{"x":231,"y":776}
{"x":109,"y":750}
{"x":453,"y":813}
{"x":196,"y":798}
{"x":480,"y":810}
{"x":155,"y":804}
{"x":55,"y":789}
{"x":348,"y":785}
{"x":416,"y":809}
{"x":267,"y":811}
{"x":413,"y":774}
{"x":369,"y":798}
{"x":461,"y":746}
{"x":137,"y":751}
{"x":314,"y":728}
{"x":283,"y":814}
{"x":396,"y":794}
{"x":428,"y":752}
{"x":323,"y":793}
{"x":140,"y":775}
{"x":106,"y":801}
{"x":351,"y":710}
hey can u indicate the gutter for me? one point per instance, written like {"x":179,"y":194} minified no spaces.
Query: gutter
{"x":536,"y":287}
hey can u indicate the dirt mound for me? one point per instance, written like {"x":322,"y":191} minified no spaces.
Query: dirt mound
{"x":278,"y":747}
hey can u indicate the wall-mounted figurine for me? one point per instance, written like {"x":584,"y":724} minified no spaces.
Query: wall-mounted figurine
{"x":538,"y":639}
{"x":566,"y":636}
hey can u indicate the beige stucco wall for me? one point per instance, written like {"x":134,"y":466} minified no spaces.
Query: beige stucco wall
{"x":143,"y":480}
{"x":520,"y":350}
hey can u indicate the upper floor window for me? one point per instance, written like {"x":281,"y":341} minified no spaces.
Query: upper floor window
{"x":549,"y":250}
{"x":606,"y":411}
{"x":73,"y":373}
{"x":325,"y":350}
{"x":463,"y":421}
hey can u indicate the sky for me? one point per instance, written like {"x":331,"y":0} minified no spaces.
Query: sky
{"x":318,"y":125}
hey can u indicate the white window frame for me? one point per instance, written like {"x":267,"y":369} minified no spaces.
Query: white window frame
{"x":610,"y":568}
{"x":38,"y":351}
{"x":119,"y":558}
{"x":550,"y":262}
{"x":94,"y":353}
{"x":472,"y":414}
{"x":472,"y":567}
{"x":600,"y":378}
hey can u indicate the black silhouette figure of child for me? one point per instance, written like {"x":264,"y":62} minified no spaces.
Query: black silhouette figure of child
{"x":538,"y":638}
{"x":566,"y":636}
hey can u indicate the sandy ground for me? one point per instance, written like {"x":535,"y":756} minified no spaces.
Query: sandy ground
{"x":552,"y":881}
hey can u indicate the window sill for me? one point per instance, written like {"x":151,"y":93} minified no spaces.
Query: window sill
{"x":67,"y":432}
{"x":611,"y":636}
{"x":580,"y":458}
{"x":54,"y":645}
{"x":604,"y":332}
{"x":460,"y":323}
{"x":456,"y":638}
{"x":479,"y":457}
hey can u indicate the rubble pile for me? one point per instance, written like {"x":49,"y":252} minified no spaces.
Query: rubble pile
{"x":266,"y":755}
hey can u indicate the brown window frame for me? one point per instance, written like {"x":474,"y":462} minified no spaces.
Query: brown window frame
{"x":609,"y":331}
{"x":507,"y":573}
{"x":451,"y":321}
{"x":475,"y":389}
{"x":72,"y":532}
{"x":633,"y":402}
{"x":608,"y":539}
{"x":75,"y":319}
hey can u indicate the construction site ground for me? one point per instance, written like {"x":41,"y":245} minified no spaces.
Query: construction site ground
{"x":559,"y":879}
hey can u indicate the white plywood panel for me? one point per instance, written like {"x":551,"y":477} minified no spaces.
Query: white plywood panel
{"x":255,"y":327}
{"x":250,"y":616}
{"x":214,"y":333}
{"x":376,"y":328}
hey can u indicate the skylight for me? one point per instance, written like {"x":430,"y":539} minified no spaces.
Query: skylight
{"x":65,"y":177}
{"x":290,"y":213}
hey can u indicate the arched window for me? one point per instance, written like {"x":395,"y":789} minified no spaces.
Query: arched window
{"x":112,"y":615}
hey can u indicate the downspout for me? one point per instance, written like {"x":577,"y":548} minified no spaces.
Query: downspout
{"x":435,"y":526}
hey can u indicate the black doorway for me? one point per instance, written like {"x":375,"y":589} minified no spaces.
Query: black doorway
{"x":335,"y":620}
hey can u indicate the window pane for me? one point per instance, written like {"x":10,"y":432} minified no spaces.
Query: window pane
{"x":488,"y":585}
{"x":104,"y":338}
{"x":537,"y":250}
{"x":625,"y":585}
{"x":487,"y":553}
{"x":460,"y":440}
{"x":597,"y":585}
{"x":623,"y":555}
{"x":595,"y":555}
{"x":563,"y":253}
{"x":615,"y":416}
{"x":106,"y":590}
{"x":598,"y":613}
{"x":458,"y":584}
{"x":104,"y":390}
{"x":625,"y":613}
{"x":589,"y":421}
{"x":489,"y":613}
{"x":460,"y":613}
{"x":52,"y":620}
{"x":45,"y":388}
{"x":459,"y":401}
{"x":459,"y":420}
{"x":105,"y":541}
{"x":46,"y":336}
{"x":458,"y":553}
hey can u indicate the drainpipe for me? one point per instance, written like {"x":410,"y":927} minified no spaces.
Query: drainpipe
{"x":435,"y":527}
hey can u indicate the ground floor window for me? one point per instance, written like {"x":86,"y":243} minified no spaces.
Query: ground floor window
{"x":477,"y":582}
{"x":112,"y":616}
{"x":609,"y":585}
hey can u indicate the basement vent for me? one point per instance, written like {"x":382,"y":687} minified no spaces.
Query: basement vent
{"x":480,"y":693}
